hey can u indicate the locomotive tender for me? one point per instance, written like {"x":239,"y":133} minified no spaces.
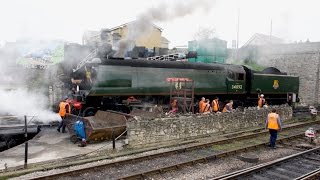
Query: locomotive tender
{"x":108,"y":84}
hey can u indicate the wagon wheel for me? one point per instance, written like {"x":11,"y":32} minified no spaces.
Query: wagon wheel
{"x":74,"y":139}
{"x":89,"y":111}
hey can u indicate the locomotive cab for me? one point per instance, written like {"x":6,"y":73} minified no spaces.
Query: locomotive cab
{"x":236,"y":82}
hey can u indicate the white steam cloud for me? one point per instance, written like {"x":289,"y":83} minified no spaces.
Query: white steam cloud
{"x":19,"y":94}
{"x":20,"y":102}
{"x":163,"y":13}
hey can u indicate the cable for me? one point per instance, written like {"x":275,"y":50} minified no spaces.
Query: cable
{"x":102,"y":146}
{"x":121,"y":134}
{"x":30,"y":119}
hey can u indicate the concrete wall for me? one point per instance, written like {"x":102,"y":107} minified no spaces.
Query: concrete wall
{"x":144,"y":131}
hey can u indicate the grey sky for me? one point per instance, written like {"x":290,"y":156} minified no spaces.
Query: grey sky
{"x":67,"y":19}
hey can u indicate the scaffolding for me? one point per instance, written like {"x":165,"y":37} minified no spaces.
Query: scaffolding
{"x":88,"y":58}
{"x":182,"y":89}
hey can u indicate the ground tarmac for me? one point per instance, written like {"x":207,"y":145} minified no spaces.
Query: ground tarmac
{"x":48,"y":145}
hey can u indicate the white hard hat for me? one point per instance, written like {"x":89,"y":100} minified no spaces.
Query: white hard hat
{"x":310,"y":133}
{"x":261,"y":95}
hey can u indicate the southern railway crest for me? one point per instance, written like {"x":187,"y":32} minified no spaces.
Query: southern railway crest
{"x":275,"y":84}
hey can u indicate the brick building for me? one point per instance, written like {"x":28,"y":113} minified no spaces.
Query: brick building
{"x":153,"y":39}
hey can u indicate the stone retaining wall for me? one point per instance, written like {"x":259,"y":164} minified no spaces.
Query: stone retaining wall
{"x":300,"y":59}
{"x":143,"y":131}
{"x":306,"y":66}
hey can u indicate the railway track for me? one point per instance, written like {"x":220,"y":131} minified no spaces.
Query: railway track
{"x":75,"y":161}
{"x":301,"y":112}
{"x":300,"y":166}
{"x":139,"y":168}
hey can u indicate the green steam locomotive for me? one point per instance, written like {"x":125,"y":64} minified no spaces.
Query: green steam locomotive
{"x":107,"y":85}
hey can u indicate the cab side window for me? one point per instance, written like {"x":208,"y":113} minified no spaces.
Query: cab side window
{"x":241,"y":76}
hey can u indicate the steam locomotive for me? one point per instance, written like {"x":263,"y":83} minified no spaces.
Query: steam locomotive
{"x":110,"y":83}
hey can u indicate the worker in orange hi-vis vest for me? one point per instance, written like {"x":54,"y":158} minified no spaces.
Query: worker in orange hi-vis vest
{"x":261,"y":101}
{"x":273,"y":123}
{"x":63,"y":109}
{"x":215,"y":105}
{"x":202,"y":105}
{"x":207,"y":107}
{"x":228,"y":107}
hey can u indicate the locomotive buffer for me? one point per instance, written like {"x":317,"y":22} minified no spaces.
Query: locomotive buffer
{"x":182,"y":89}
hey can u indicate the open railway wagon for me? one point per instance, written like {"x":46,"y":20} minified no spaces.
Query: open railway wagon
{"x":100,"y":127}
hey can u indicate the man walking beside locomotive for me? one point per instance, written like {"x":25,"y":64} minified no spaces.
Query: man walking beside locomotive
{"x":63,"y":109}
{"x":273,"y":123}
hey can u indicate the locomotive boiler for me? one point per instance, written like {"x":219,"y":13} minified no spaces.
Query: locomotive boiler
{"x":110,"y":83}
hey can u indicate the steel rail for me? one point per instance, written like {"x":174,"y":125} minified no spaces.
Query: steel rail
{"x":311,"y":175}
{"x":250,"y":170}
{"x":201,"y":160}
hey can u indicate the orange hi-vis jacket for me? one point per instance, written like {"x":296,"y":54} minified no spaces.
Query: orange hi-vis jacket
{"x":224,"y":109}
{"x":206,"y":107}
{"x":273,"y":121}
{"x":62,"y":109}
{"x":215,"y":106}
{"x":227,"y":107}
{"x":202,"y":106}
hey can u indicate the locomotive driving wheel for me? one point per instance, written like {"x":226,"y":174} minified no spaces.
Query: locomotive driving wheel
{"x":89,"y":111}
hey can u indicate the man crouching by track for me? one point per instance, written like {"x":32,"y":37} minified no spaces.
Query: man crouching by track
{"x":273,"y":123}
